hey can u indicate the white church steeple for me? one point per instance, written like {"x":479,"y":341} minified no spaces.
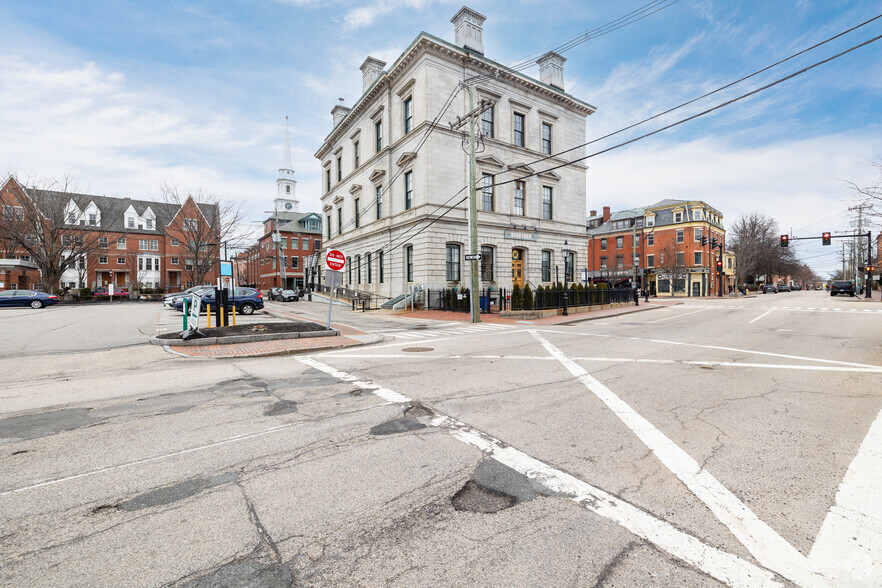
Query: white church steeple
{"x":286,"y":182}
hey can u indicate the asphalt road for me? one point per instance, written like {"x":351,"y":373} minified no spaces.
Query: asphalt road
{"x":731,"y":441}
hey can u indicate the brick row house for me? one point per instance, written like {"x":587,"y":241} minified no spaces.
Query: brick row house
{"x":667,"y":247}
{"x":87,"y":241}
{"x":285,"y":263}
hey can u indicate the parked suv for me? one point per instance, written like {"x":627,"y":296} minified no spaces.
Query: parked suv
{"x":246,"y":300}
{"x":842,"y":287}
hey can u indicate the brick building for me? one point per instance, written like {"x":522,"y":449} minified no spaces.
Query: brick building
{"x":285,"y":263}
{"x":667,"y":246}
{"x":127,"y":242}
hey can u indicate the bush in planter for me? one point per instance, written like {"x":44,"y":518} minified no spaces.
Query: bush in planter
{"x":517,"y":298}
{"x":528,"y":298}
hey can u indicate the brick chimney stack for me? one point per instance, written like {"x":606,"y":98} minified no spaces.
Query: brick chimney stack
{"x":606,"y":213}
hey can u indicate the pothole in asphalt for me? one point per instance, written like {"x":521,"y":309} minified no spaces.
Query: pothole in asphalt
{"x":281,"y":407}
{"x":417,"y":410}
{"x":417,"y":349}
{"x":475,"y":498}
{"x":402,"y":425}
{"x":255,"y":574}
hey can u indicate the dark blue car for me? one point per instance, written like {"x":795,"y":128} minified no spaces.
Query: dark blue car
{"x":30,"y":298}
{"x":246,"y":300}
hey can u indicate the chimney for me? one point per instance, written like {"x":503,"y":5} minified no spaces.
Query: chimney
{"x":371,"y":69}
{"x":469,"y":29}
{"x":606,"y":213}
{"x":593,"y":213}
{"x":339,"y":112}
{"x":551,"y":69}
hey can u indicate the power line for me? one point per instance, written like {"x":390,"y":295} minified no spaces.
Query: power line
{"x":693,"y":117}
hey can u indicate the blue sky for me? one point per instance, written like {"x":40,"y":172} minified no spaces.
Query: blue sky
{"x":125,"y":95}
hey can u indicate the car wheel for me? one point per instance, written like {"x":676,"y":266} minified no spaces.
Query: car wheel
{"x":246,"y":308}
{"x":36,"y":304}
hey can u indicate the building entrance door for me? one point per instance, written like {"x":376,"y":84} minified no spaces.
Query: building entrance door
{"x":696,"y":288}
{"x":120,"y":278}
{"x":517,"y":267}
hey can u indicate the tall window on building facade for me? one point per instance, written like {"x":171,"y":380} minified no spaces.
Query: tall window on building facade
{"x":378,"y":134}
{"x":486,"y":263}
{"x":380,"y":265}
{"x":369,"y":268}
{"x":349,"y":273}
{"x":358,"y":265}
{"x":681,"y":258}
{"x":328,"y":218}
{"x":518,"y":128}
{"x":620,"y":261}
{"x":620,"y":242}
{"x":546,"y":138}
{"x":519,"y":188}
{"x":379,"y":200}
{"x":650,"y":240}
{"x":328,"y":180}
{"x":697,"y":260}
{"x":408,"y":114}
{"x":339,"y":221}
{"x":452,"y":262}
{"x":547,"y":205}
{"x":487,"y":122}
{"x":357,"y":213}
{"x":408,"y":263}
{"x":679,"y":235}
{"x":339,"y":169}
{"x":650,"y":261}
{"x":408,"y":190}
{"x":546,"y":266}
{"x":487,"y":192}
{"x":571,"y":266}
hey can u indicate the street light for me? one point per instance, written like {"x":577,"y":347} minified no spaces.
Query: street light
{"x":566,"y":255}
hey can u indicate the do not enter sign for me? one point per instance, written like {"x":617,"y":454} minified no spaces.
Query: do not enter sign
{"x":335,"y":260}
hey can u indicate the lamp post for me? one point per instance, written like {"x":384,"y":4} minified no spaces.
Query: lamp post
{"x":566,"y":254}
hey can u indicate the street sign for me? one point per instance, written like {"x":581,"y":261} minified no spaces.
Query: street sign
{"x":335,"y":260}
{"x":473,"y":257}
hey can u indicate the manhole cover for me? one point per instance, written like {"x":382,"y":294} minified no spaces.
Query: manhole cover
{"x":418,"y":349}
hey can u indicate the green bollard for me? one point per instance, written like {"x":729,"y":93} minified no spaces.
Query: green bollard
{"x":186,"y":314}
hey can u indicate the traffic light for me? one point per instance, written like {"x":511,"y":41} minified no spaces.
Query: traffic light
{"x":719,"y":266}
{"x":714,"y":242}
{"x":825,"y":238}
{"x":785,"y":241}
{"x":870,"y":268}
{"x":703,"y":240}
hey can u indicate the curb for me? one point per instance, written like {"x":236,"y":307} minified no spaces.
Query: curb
{"x":627,"y":311}
{"x":155,"y":340}
{"x":378,"y":338}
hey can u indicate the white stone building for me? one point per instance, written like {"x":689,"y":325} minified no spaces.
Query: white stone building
{"x":394,"y":188}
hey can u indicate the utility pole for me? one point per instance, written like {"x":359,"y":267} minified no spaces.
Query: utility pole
{"x":474,"y":261}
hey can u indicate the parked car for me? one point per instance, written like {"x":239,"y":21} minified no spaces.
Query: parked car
{"x":169,"y":299}
{"x":30,"y":298}
{"x":288,"y":296}
{"x":117,"y":291}
{"x":842,"y":287}
{"x":767,"y":288}
{"x":783,"y":287}
{"x":246,"y":300}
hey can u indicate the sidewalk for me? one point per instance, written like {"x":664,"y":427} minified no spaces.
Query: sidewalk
{"x":352,"y":337}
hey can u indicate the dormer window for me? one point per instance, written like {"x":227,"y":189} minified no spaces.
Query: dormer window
{"x":93,"y":219}
{"x":650,"y":221}
{"x":678,"y":217}
{"x":71,"y":218}
{"x":130,"y":222}
{"x":149,"y":223}
{"x":696,"y":214}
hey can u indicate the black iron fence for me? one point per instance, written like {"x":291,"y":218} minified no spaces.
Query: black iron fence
{"x":496,"y":300}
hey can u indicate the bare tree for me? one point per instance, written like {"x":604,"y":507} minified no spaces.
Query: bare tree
{"x":673,"y":263}
{"x":52,"y":224}
{"x":872,"y":192}
{"x":203,"y":223}
{"x":755,"y":240}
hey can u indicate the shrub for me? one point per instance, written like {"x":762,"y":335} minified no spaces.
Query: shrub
{"x":516,"y":300}
{"x":528,"y":298}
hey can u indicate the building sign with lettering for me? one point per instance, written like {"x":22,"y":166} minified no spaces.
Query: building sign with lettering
{"x":521,"y":235}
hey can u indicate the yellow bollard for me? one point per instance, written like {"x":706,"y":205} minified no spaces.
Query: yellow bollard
{"x":234,"y":315}
{"x":208,"y":306}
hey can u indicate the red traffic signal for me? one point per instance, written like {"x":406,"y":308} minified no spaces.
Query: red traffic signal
{"x":825,"y":238}
{"x":871,"y":268}
{"x":785,"y":241}
{"x":719,"y":266}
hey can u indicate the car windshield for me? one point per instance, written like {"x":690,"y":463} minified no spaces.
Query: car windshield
{"x":288,"y":292}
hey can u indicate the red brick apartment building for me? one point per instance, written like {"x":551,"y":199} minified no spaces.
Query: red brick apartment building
{"x":289,"y":262}
{"x":75,"y":240}
{"x":667,"y":246}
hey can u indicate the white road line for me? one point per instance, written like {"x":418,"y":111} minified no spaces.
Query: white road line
{"x":762,"y":541}
{"x":849,"y":546}
{"x":772,"y":366}
{"x":720,"y":348}
{"x":723,"y":566}
{"x":759,"y":317}
{"x":676,"y":316}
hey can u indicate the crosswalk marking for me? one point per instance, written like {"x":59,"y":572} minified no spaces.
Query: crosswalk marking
{"x":447,"y":331}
